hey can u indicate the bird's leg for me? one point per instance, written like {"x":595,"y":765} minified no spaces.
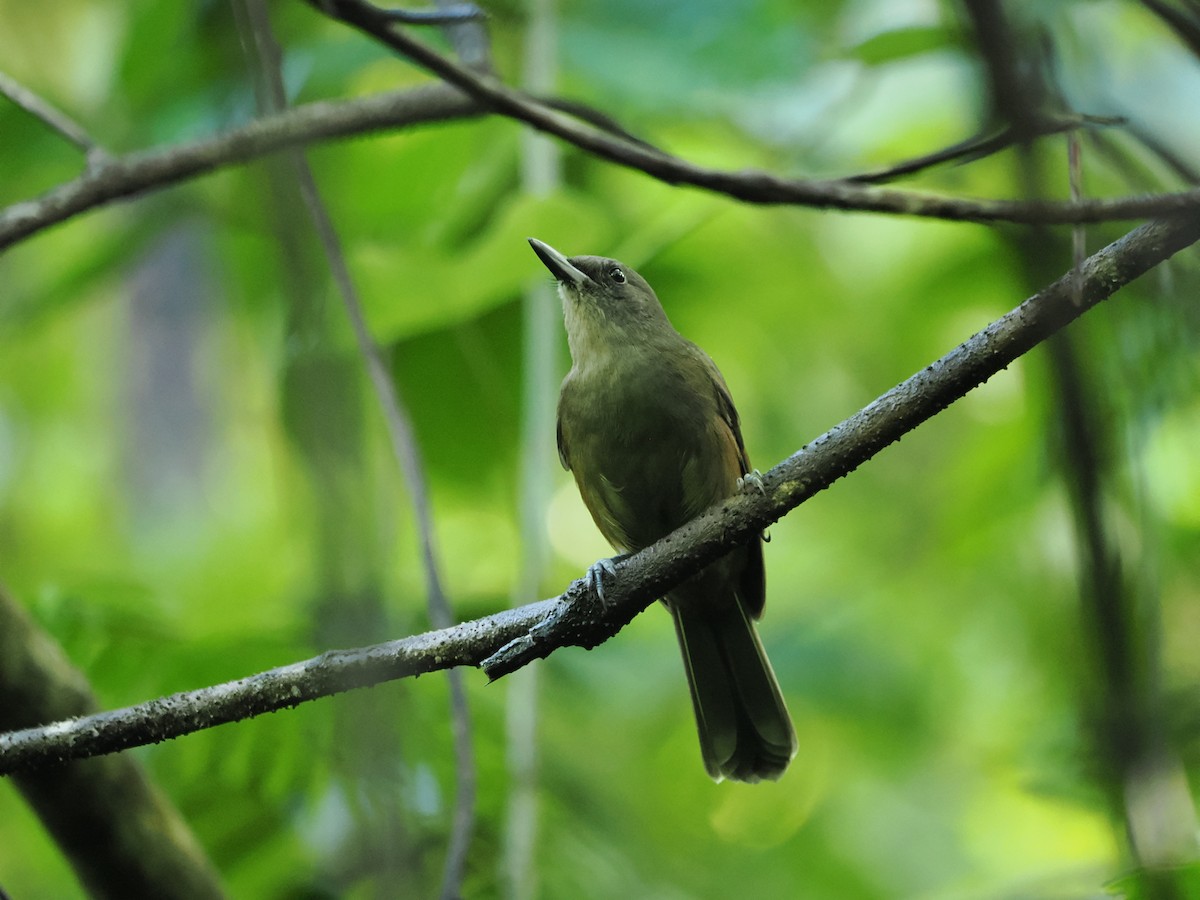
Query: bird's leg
{"x":753,"y":481}
{"x":598,"y":571}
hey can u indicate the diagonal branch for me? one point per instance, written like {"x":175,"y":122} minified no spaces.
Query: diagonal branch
{"x":749,"y":185}
{"x":51,"y":116}
{"x":333,"y":672}
{"x":116,"y":178}
{"x":109,"y":180}
{"x":503,"y":642}
{"x":981,"y":145}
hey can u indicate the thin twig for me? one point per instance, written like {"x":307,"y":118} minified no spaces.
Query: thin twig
{"x":449,"y":14}
{"x":749,"y":185}
{"x":505,"y":641}
{"x":979,"y":146}
{"x":148,"y":170}
{"x":136,"y":173}
{"x":51,"y":116}
{"x":469,"y":37}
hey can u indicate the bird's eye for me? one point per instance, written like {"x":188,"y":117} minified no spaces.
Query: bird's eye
{"x":616,"y":274}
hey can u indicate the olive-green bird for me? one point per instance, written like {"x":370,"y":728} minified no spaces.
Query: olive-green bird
{"x":648,"y":428}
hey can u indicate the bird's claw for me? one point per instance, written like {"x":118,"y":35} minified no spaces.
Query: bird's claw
{"x":752,"y":480}
{"x":596,"y":574}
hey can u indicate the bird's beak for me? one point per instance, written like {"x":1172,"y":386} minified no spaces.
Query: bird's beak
{"x":560,"y":267}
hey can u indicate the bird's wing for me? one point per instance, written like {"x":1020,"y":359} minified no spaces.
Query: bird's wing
{"x":752,"y":589}
{"x":564,"y":456}
{"x":729,"y":415}
{"x":564,"y":450}
{"x":610,"y":511}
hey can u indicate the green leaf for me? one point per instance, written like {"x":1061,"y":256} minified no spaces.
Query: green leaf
{"x":902,"y":43}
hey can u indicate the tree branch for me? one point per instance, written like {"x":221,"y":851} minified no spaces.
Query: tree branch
{"x":135,"y":173}
{"x":647,"y":575}
{"x":53,"y":118}
{"x":503,"y":642}
{"x":287,"y":686}
{"x":444,"y":14}
{"x":751,"y":186}
{"x":116,"y":178}
{"x":980,"y":145}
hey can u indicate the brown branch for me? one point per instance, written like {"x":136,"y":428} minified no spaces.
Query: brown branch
{"x":287,"y":686}
{"x":981,"y":145}
{"x":444,"y":14}
{"x":751,"y":186}
{"x":505,"y":641}
{"x":125,"y":176}
{"x":136,"y":173}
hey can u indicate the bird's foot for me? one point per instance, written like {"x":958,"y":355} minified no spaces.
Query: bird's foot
{"x":752,"y":481}
{"x":598,"y":571}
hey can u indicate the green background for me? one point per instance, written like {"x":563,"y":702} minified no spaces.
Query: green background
{"x":195,"y":481}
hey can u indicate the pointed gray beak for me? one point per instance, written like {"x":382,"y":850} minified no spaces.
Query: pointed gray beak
{"x":560,"y":267}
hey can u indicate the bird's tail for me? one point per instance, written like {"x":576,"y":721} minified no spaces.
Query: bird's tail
{"x":746,"y":733}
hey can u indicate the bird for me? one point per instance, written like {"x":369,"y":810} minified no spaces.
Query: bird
{"x":648,"y":429}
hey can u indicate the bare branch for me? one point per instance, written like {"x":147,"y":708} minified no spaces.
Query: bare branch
{"x":54,"y":118}
{"x":505,"y":641}
{"x":751,"y":186}
{"x":136,"y":173}
{"x":125,"y":176}
{"x":330,"y":673}
{"x":981,"y":145}
{"x":447,"y":14}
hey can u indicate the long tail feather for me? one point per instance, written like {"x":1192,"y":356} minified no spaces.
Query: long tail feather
{"x":745,"y":731}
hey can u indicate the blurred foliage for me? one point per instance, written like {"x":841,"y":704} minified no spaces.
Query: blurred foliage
{"x":184,"y":463}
